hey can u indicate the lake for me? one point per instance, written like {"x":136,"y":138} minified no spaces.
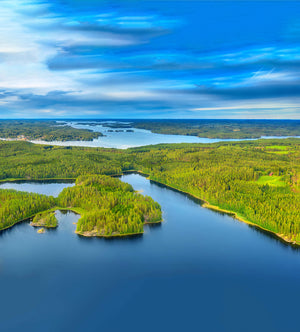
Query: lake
{"x":46,"y":187}
{"x":121,"y":139}
{"x":197,"y":271}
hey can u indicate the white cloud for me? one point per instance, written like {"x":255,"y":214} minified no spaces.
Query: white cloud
{"x":256,"y":110}
{"x":28,"y":41}
{"x":24,"y":54}
{"x":26,"y":45}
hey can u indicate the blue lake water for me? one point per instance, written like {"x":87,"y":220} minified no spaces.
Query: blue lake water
{"x":197,"y":271}
{"x":124,"y":139}
{"x":39,"y":187}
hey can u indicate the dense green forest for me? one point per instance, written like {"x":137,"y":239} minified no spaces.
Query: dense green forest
{"x":222,"y":128}
{"x":30,"y":161}
{"x":258,"y":180}
{"x":108,"y":207}
{"x":253,"y":179}
{"x":16,"y":206}
{"x":43,"y":130}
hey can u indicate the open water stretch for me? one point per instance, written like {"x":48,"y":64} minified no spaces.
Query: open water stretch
{"x":197,"y":271}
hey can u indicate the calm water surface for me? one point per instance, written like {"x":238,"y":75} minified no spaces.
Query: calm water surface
{"x":124,"y":140}
{"x":197,"y":271}
{"x":39,"y":187}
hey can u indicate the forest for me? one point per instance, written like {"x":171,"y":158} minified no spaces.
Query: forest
{"x":252,"y":179}
{"x":17,"y":206}
{"x":236,"y":129}
{"x":109,"y":207}
{"x":43,"y":130}
{"x":257,"y":180}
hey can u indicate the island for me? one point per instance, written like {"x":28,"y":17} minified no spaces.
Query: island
{"x":45,"y":219}
{"x":107,"y":206}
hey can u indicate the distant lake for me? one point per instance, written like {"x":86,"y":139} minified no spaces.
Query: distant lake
{"x":197,"y":271}
{"x":51,"y":187}
{"x":120,"y":138}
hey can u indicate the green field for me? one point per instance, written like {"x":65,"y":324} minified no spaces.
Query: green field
{"x":273,"y":180}
{"x":279,"y":149}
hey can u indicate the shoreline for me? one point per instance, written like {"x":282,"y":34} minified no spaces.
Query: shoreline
{"x":92,"y":234}
{"x":203,"y":203}
{"x":235,"y":215}
{"x":78,"y":211}
{"x":216,"y":208}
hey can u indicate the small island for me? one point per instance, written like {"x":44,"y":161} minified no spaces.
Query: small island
{"x":45,"y":219}
{"x":109,"y":207}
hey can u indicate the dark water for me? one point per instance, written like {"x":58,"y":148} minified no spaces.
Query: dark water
{"x":198,"y":271}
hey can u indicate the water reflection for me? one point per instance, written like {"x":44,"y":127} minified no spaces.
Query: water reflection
{"x":134,"y":237}
{"x":7,"y":231}
{"x":154,"y":225}
{"x":275,"y":238}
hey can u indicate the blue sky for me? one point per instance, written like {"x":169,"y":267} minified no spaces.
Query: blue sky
{"x":149,"y":59}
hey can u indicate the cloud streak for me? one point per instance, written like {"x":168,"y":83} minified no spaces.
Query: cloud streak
{"x":136,"y":61}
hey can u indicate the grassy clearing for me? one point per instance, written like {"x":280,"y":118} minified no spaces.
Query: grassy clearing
{"x":273,"y":180}
{"x":277,"y":147}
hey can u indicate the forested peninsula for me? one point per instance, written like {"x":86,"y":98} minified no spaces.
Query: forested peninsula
{"x":258,"y":181}
{"x":43,"y":130}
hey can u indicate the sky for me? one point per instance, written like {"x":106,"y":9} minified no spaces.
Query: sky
{"x":150,"y":59}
